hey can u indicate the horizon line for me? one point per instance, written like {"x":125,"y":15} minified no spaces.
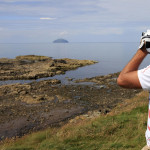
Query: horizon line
{"x":61,"y":43}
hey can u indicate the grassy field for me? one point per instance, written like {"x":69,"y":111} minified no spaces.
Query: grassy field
{"x":123,"y":128}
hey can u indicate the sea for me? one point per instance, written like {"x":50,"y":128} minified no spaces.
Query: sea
{"x":111,"y":57}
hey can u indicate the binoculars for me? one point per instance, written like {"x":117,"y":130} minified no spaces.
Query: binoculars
{"x":145,"y":39}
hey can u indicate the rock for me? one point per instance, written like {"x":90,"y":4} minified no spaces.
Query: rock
{"x":23,"y":92}
{"x":51,"y":64}
{"x":29,"y":58}
{"x":60,"y":61}
{"x":35,"y":67}
{"x":60,"y":41}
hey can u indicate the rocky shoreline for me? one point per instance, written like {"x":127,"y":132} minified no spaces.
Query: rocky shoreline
{"x":25,"y":108}
{"x":35,"y":67}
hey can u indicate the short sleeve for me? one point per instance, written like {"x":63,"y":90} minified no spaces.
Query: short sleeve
{"x":144,"y":77}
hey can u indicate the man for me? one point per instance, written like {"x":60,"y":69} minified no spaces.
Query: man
{"x":131,"y":77}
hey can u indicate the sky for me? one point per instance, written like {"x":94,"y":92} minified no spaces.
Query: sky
{"x":35,"y":21}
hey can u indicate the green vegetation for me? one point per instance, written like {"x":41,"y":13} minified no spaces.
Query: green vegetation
{"x":123,"y":129}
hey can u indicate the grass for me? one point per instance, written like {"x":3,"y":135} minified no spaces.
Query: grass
{"x":122,"y":129}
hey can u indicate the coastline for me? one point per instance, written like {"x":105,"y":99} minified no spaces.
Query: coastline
{"x":37,"y":105}
{"x":30,"y":67}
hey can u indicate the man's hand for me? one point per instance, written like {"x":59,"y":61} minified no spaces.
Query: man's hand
{"x":145,"y":41}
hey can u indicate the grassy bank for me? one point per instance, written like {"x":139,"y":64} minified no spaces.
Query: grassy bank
{"x":123,"y":128}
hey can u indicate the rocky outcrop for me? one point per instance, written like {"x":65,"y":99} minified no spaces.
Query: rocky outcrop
{"x":37,"y":105}
{"x":34,"y":67}
{"x":60,"y":41}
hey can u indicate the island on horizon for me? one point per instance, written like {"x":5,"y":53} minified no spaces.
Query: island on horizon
{"x":60,"y":41}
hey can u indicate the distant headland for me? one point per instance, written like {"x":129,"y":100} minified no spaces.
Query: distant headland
{"x":60,"y":41}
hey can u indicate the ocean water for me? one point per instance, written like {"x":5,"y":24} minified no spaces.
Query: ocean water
{"x":111,"y":57}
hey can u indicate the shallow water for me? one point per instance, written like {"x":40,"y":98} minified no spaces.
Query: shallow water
{"x":112,"y":57}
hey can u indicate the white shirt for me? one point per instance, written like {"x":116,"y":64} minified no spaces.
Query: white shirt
{"x":144,"y":77}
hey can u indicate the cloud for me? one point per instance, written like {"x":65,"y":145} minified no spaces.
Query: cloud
{"x":142,"y":28}
{"x":108,"y":31}
{"x":12,"y":1}
{"x":47,"y":18}
{"x":76,"y":18}
{"x":63,"y":33}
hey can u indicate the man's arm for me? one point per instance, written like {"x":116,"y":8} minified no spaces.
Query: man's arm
{"x":128,"y":77}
